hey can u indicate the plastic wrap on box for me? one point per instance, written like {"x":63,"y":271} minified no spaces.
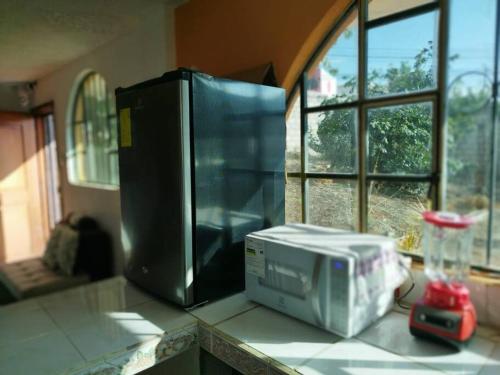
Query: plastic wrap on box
{"x":338,"y":280}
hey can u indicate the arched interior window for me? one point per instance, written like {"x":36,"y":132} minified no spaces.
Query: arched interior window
{"x":396,"y":113}
{"x":92,"y":135}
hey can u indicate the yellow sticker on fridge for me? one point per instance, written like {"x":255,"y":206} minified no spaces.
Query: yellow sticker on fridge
{"x":125,"y":128}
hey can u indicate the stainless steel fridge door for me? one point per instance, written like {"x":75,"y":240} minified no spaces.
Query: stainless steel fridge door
{"x":155,"y":188}
{"x":239,"y":162}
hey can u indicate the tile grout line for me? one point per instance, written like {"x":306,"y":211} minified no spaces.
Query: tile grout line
{"x":42,"y":334}
{"x":408,"y":358}
{"x":235,"y":343}
{"x":63,"y":332}
{"x":269,"y":359}
{"x":318,"y":353}
{"x":141,"y":303}
{"x":234,"y":316}
{"x":181,"y":332}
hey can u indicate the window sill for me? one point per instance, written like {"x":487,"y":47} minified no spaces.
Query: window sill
{"x":481,"y":274}
{"x":476,"y":276}
{"x":90,"y":185}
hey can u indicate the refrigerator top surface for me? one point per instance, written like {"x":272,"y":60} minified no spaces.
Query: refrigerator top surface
{"x":174,"y":75}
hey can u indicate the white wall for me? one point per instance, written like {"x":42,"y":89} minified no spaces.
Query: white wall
{"x":146,"y":52}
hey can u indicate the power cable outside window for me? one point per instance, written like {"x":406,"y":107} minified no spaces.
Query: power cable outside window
{"x":405,"y":294}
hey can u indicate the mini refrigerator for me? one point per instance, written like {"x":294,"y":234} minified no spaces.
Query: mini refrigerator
{"x":202,"y":164}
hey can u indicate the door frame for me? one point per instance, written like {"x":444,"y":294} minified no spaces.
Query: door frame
{"x":36,"y":199}
{"x":49,"y":165}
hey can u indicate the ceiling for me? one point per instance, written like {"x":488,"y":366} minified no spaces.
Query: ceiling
{"x":38,"y":37}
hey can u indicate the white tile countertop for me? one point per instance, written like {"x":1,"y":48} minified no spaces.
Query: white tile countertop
{"x":111,"y":327}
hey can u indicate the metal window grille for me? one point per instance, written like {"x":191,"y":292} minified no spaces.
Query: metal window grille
{"x":363,"y":103}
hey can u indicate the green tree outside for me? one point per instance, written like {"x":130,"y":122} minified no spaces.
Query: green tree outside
{"x":399,"y":137}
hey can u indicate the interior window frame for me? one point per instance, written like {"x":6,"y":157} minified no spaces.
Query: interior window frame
{"x":77,"y":176}
{"x":437,"y":96}
{"x":363,"y":103}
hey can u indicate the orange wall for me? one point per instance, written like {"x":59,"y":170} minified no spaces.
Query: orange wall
{"x":225,"y":36}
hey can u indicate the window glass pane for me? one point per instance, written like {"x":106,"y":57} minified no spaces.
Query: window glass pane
{"x":332,"y":141}
{"x":333,"y":76}
{"x":93,"y":156}
{"x":112,"y":141}
{"x":495,"y":251}
{"x":382,"y":8}
{"x":79,"y":109}
{"x":102,"y":134}
{"x":293,"y":201}
{"x":402,"y":56}
{"x":400,"y":138}
{"x":111,"y":104}
{"x":468,"y":167}
{"x":112,"y":152}
{"x":293,"y":136}
{"x":395,"y":208}
{"x":80,"y":148}
{"x":469,"y":116}
{"x":333,"y":203}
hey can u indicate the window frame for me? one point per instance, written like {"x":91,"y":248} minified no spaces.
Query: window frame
{"x":363,"y":103}
{"x":437,"y":96}
{"x":71,"y":149}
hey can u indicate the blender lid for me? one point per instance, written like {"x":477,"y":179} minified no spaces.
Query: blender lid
{"x":447,"y":219}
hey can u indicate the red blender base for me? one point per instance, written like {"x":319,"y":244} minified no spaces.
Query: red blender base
{"x":444,"y":314}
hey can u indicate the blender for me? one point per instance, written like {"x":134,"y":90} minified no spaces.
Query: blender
{"x":445,"y":312}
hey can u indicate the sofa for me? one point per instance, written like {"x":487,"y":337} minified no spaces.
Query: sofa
{"x":91,"y":261}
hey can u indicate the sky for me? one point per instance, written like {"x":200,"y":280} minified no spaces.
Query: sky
{"x":472,"y":34}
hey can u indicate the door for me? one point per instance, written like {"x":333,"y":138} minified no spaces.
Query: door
{"x":22,"y":225}
{"x":154,"y":165}
{"x":48,"y":165}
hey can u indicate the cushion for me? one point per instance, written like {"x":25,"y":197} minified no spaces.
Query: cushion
{"x":50,"y":254}
{"x":30,"y":278}
{"x":67,"y":249}
{"x":61,"y":250}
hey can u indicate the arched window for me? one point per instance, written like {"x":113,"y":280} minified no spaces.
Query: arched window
{"x":395,"y":113}
{"x":92,"y":135}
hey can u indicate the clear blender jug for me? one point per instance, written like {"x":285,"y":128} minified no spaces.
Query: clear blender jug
{"x":447,"y":245}
{"x":445,"y":313}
